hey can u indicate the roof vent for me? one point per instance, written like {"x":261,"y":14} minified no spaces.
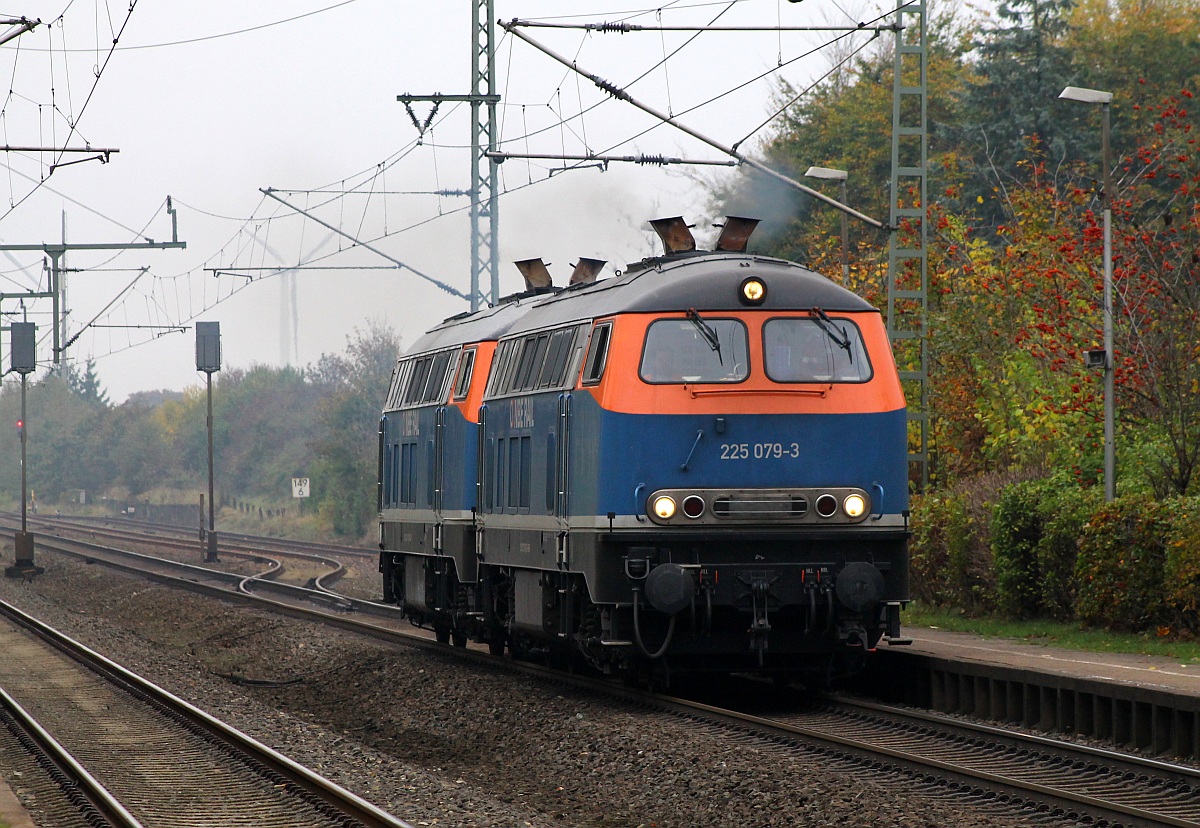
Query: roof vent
{"x":675,"y":235}
{"x":537,"y":277}
{"x":735,"y":233}
{"x":586,"y":271}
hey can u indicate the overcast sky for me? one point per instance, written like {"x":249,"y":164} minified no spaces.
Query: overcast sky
{"x":210,"y":101}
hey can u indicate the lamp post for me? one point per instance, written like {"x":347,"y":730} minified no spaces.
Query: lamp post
{"x":208,"y":360}
{"x":1095,"y":96}
{"x":829,"y":174}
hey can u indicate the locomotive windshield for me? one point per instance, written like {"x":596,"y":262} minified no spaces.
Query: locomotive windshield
{"x":815,"y":350}
{"x":680,"y":350}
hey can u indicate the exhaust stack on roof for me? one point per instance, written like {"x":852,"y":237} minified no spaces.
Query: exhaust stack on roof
{"x":537,"y":277}
{"x":735,"y":233}
{"x":675,"y":235}
{"x":586,"y":271}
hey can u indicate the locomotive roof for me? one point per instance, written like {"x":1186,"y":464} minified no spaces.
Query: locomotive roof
{"x":704,"y":281}
{"x":484,"y":324}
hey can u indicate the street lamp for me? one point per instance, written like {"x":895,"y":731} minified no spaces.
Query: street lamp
{"x":829,"y":174}
{"x":1095,"y":96}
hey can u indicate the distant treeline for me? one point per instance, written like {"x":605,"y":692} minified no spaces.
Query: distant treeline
{"x":269,"y":425}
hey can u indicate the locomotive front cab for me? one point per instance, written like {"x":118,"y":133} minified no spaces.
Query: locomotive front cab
{"x":764,"y":447}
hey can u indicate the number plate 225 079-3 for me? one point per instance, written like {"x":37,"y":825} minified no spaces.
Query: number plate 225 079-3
{"x":759,"y":451}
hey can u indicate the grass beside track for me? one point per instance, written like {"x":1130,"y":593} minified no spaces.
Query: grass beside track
{"x":1056,"y":634}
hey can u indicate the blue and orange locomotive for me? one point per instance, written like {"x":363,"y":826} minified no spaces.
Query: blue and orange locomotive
{"x":697,"y":464}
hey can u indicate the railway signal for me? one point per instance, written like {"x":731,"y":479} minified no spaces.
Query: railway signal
{"x":22,"y":351}
{"x":208,"y":360}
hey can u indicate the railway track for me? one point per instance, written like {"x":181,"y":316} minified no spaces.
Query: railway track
{"x":1005,"y":770}
{"x":185,"y":545}
{"x":1007,"y":767}
{"x":255,"y":571}
{"x":187,"y":536}
{"x":130,"y":754}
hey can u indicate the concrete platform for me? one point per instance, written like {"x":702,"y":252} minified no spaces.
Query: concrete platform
{"x":1145,"y":703}
{"x":1118,"y":668}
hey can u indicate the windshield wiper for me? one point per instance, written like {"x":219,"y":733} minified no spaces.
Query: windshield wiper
{"x":706,"y":330}
{"x":838,"y":335}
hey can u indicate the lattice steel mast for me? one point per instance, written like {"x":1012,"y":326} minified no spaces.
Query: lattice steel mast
{"x":485,"y":208}
{"x":908,"y":262}
{"x":485,"y":213}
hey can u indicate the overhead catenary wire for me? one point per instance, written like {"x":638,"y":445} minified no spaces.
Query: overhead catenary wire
{"x":764,"y":74}
{"x":622,"y":95}
{"x":367,"y":246}
{"x":73,"y":122}
{"x":861,"y":26}
{"x":627,"y":28}
{"x":71,"y":340}
{"x":409,"y":227}
{"x":844,"y":30}
{"x":219,"y":35}
{"x":780,"y":110}
{"x":368,"y":187}
{"x":728,"y":4}
{"x":188,"y":309}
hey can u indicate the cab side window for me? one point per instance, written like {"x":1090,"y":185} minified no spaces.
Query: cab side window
{"x":597,"y":354}
{"x":466,"y":368}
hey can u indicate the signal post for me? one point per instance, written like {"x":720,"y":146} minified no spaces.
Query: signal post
{"x":208,"y":360}
{"x":22,"y":342}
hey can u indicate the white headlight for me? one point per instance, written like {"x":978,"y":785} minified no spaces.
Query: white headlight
{"x":664,"y":507}
{"x":854,"y":505}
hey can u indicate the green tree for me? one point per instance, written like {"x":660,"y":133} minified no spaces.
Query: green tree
{"x":141,"y":454}
{"x":86,"y":385}
{"x":844,"y":124}
{"x":260,"y":416}
{"x":352,"y":388}
{"x":1022,"y":65}
{"x":60,"y":438}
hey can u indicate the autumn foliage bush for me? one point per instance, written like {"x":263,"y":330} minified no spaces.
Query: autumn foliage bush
{"x":1017,"y":525}
{"x":950,"y":551}
{"x":1181,"y":575}
{"x":1045,"y":548}
{"x":1058,"y":549}
{"x":1035,"y":529}
{"x":940,"y":532}
{"x":1120,"y":570}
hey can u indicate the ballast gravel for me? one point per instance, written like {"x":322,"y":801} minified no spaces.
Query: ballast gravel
{"x":440,"y":743}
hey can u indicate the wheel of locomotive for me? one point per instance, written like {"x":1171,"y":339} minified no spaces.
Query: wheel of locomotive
{"x":496,"y":642}
{"x":458,"y":637}
{"x":441,"y":632}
